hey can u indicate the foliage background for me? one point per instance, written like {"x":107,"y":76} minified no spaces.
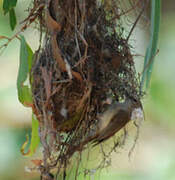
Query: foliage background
{"x":153,"y":157}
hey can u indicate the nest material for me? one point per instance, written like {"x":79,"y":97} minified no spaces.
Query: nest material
{"x":85,"y":62}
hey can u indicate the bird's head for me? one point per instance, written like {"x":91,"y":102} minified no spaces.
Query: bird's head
{"x":116,"y":117}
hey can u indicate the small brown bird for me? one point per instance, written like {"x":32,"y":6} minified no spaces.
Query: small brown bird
{"x":115,"y":118}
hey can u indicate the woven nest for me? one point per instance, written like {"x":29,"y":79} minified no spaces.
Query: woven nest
{"x":85,"y":64}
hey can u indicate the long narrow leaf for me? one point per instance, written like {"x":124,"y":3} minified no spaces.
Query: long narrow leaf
{"x":12,"y":18}
{"x":24,"y":91}
{"x":152,"y":47}
{"x":8,"y":5}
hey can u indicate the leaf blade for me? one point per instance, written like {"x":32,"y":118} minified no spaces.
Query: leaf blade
{"x":35,"y":140}
{"x":26,"y":56}
{"x":156,"y":10}
{"x":8,"y":5}
{"x":152,"y":47}
{"x":12,"y":18}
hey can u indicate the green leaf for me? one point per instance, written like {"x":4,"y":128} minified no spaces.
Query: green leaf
{"x":8,"y":5}
{"x":25,"y":96}
{"x":5,"y":6}
{"x":24,"y":91}
{"x":30,"y":58}
{"x":35,"y":140}
{"x":13,"y":3}
{"x":152,"y":47}
{"x":12,"y":17}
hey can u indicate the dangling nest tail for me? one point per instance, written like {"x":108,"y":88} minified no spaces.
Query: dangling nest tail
{"x":84,"y":65}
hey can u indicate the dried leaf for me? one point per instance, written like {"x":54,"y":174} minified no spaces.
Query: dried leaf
{"x":37,"y":162}
{"x":52,"y":25}
{"x":4,"y":37}
{"x":47,"y":81}
{"x":59,"y":59}
{"x":57,"y":54}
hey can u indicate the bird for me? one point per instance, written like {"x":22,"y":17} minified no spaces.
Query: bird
{"x":115,"y":118}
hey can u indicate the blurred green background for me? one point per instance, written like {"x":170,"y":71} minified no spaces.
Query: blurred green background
{"x":154,"y":155}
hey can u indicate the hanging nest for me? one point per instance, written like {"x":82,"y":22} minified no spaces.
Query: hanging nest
{"x":85,"y":66}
